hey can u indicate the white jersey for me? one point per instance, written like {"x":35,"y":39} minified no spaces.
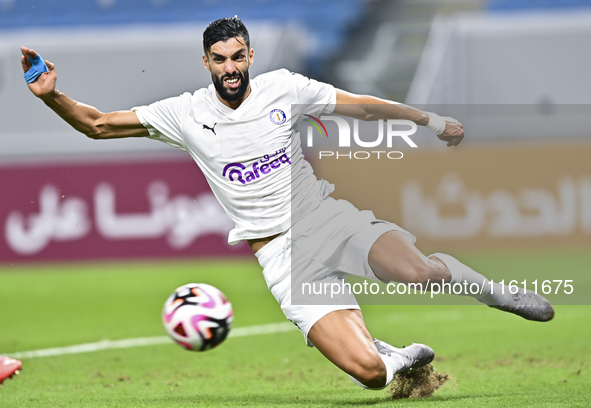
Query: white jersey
{"x":251,"y":156}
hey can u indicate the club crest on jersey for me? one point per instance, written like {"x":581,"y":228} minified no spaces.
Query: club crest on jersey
{"x":277,"y":116}
{"x":238,"y":171}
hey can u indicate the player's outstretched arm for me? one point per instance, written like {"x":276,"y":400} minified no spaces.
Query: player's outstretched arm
{"x":84,"y":118}
{"x":366,"y":107}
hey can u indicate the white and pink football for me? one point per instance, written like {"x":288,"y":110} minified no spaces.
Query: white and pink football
{"x":197,"y":316}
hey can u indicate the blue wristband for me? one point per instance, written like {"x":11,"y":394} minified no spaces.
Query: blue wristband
{"x":38,"y":67}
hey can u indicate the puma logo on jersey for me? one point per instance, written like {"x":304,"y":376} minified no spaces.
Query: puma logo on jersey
{"x":210,"y":128}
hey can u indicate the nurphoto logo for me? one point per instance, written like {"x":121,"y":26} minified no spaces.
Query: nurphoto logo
{"x":387,"y":130}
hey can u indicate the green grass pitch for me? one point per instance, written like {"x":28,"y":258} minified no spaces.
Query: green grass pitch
{"x":498,"y":360}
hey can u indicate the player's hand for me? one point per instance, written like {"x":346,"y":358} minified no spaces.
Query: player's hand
{"x":45,"y":84}
{"x":453,"y":133}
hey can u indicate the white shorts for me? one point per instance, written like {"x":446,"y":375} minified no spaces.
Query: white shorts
{"x":325,"y":246}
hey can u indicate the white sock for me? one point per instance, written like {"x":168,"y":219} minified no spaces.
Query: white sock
{"x":461,"y":273}
{"x":393,"y":364}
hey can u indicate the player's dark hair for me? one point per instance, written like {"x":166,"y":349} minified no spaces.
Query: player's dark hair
{"x":224,"y":29}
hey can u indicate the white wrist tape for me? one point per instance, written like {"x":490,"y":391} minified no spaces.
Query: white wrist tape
{"x":436,"y":123}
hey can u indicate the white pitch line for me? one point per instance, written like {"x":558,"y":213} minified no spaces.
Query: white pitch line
{"x":145,"y":341}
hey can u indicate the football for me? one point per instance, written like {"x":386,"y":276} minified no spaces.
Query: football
{"x":197,"y":316}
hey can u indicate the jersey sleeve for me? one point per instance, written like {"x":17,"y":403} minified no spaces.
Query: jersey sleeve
{"x":314,"y":96}
{"x":163,"y":119}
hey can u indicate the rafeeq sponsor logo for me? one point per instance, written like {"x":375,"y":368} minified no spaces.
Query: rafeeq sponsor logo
{"x":239,"y":172}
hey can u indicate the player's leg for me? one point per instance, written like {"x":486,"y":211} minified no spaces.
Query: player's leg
{"x":341,"y":336}
{"x":394,"y":258}
{"x":336,"y":328}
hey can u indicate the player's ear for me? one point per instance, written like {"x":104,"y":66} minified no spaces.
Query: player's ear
{"x":251,"y":57}
{"x":206,"y":63}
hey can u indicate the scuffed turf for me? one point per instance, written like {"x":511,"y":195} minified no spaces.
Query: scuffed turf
{"x":419,"y":383}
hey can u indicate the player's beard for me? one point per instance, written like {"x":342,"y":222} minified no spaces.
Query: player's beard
{"x":231,"y":96}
